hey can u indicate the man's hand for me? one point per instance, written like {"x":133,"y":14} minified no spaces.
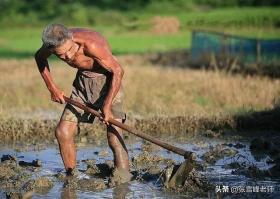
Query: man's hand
{"x":107,"y":115}
{"x":57,"y":95}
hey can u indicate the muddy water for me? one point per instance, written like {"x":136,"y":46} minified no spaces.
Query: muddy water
{"x":224,"y":162}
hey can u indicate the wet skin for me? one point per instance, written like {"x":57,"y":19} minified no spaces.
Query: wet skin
{"x":86,"y":50}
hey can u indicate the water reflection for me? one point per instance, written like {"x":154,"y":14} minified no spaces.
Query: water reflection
{"x":52,"y":164}
{"x":121,"y":191}
{"x":68,"y":193}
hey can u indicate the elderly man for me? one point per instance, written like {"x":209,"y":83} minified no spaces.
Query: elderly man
{"x":97,"y":85}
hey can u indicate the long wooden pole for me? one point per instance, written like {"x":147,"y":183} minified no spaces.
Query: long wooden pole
{"x":186,"y":154}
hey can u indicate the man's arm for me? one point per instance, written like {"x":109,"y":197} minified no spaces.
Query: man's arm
{"x":41,"y":57}
{"x":105,"y":58}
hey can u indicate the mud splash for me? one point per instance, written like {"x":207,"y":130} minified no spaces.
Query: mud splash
{"x":184,"y":178}
{"x":16,"y":178}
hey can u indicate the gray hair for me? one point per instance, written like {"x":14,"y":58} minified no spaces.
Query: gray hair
{"x":54,"y":35}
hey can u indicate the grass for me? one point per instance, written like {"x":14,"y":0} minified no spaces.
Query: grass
{"x":132,"y":34}
{"x":233,"y":17}
{"x":239,"y":20}
{"x":149,"y":90}
{"x":143,"y":42}
{"x":22,"y":42}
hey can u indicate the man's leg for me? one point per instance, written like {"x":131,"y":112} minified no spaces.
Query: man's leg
{"x":117,"y":145}
{"x":65,"y":132}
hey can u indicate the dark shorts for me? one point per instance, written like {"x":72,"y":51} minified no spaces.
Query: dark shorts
{"x":92,"y":91}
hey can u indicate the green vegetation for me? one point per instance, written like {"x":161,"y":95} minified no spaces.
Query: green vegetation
{"x":26,"y":13}
{"x":128,"y":25}
{"x":233,"y":17}
{"x":23,"y":42}
{"x":130,"y":28}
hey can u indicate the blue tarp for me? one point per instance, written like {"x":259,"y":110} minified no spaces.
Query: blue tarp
{"x":248,"y":51}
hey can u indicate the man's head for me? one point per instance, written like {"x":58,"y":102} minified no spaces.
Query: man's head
{"x":55,"y":35}
{"x":58,"y":39}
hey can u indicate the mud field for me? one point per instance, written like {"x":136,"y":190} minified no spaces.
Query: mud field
{"x":35,"y":170}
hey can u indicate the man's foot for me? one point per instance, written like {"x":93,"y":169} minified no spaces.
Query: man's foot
{"x":72,"y":173}
{"x":76,"y":173}
{"x":119,"y":176}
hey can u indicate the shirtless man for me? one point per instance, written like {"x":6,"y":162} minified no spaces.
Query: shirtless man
{"x":97,"y":85}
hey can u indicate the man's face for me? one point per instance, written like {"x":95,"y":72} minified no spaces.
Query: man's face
{"x":67,"y":50}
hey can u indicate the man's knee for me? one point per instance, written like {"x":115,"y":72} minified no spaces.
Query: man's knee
{"x":63,"y":132}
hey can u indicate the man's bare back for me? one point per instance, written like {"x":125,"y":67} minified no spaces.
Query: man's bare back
{"x":81,"y":59}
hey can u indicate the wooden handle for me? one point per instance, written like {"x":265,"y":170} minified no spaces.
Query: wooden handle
{"x":186,"y":154}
